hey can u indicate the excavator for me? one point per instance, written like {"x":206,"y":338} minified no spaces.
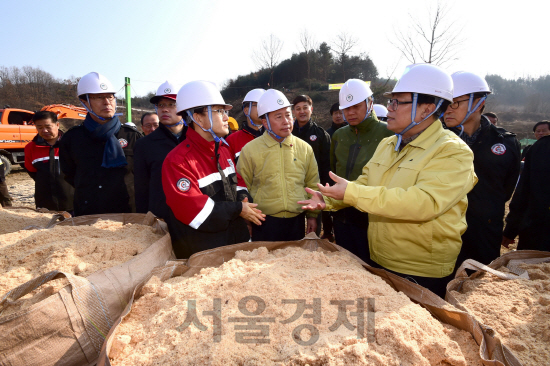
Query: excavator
{"x":17,"y":130}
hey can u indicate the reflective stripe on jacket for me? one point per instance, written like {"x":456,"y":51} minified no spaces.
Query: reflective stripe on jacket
{"x":51,"y":191}
{"x":200,"y":184}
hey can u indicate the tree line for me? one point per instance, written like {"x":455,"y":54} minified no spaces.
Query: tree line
{"x":32,"y":88}
{"x":524,"y":98}
{"x":311,"y":69}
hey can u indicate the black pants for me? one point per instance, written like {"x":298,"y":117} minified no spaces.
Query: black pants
{"x":327,"y":222}
{"x":351,"y":231}
{"x":5,"y":198}
{"x":280,"y":229}
{"x":481,"y":241}
{"x":436,"y":285}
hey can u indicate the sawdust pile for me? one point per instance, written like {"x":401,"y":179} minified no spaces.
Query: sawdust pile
{"x":18,"y":219}
{"x":519,"y":310}
{"x":405,"y":333}
{"x":79,"y":250}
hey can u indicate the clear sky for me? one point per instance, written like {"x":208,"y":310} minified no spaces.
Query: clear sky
{"x":151,"y":41}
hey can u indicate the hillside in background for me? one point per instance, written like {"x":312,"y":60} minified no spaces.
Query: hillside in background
{"x":520,"y":103}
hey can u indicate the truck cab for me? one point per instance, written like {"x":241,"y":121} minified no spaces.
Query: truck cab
{"x":16,"y":131}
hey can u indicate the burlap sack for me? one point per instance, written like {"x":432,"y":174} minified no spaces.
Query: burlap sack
{"x":491,"y":350}
{"x":69,"y":327}
{"x":510,"y":260}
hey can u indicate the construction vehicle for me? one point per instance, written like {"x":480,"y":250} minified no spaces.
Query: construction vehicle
{"x":17,"y":130}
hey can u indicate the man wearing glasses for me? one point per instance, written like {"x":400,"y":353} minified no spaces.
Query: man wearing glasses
{"x":414,"y":187}
{"x":150,"y":152}
{"x":351,"y":149}
{"x":497,"y":159}
{"x":206,"y":207}
{"x":97,"y":156}
{"x":149,"y":122}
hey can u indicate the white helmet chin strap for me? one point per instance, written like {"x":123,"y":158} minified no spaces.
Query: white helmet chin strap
{"x":470,"y":111}
{"x":181,"y":122}
{"x":216,"y":137}
{"x":368,"y":111}
{"x":413,"y":116}
{"x":250,"y":118}
{"x":92,"y":112}
{"x":269,"y":130}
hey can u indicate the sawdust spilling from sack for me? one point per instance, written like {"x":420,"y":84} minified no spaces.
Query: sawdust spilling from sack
{"x":13,"y":220}
{"x":158,"y":330}
{"x":519,"y":310}
{"x":79,"y":250}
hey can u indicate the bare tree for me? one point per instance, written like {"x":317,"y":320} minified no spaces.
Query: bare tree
{"x":342,"y":46}
{"x":308,"y":45}
{"x":433,"y":41}
{"x":268,"y":55}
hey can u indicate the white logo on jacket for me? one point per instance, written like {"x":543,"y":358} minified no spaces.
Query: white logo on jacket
{"x":123,"y":143}
{"x":498,"y":149}
{"x":183,"y":184}
{"x":313,"y":137}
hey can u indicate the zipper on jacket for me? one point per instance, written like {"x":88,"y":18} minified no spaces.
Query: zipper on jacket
{"x":282,"y":160}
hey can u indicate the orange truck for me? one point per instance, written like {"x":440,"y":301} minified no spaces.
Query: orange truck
{"x":17,"y":130}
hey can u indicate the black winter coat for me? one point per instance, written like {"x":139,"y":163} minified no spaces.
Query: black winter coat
{"x":149,"y":154}
{"x":497,"y":157}
{"x":98,"y":190}
{"x":319,"y":140}
{"x":529,"y":215}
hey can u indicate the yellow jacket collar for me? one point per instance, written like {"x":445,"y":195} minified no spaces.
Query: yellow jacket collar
{"x":427,"y":137}
{"x":270,"y":141}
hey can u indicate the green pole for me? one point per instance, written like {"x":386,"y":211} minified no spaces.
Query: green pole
{"x":128,"y":99}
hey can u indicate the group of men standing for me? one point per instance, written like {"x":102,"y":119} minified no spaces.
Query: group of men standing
{"x":401,"y":194}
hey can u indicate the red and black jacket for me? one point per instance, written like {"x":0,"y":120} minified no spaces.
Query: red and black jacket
{"x":42,"y":163}
{"x":242,"y":137}
{"x":200,"y":183}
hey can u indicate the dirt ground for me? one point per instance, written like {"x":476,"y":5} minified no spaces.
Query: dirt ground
{"x":21,"y":187}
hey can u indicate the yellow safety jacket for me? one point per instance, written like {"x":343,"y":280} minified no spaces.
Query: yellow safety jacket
{"x":416,"y":200}
{"x":276,"y":174}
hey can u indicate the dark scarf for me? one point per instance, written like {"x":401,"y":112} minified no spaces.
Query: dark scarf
{"x":113,"y":156}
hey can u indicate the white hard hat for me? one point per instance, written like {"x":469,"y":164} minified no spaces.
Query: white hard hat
{"x":165,"y":90}
{"x":380,"y":110}
{"x":272,"y":100}
{"x":353,"y":92}
{"x":425,"y":79}
{"x":198,"y":94}
{"x":94,"y":83}
{"x":254,"y":95}
{"x":467,"y":83}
